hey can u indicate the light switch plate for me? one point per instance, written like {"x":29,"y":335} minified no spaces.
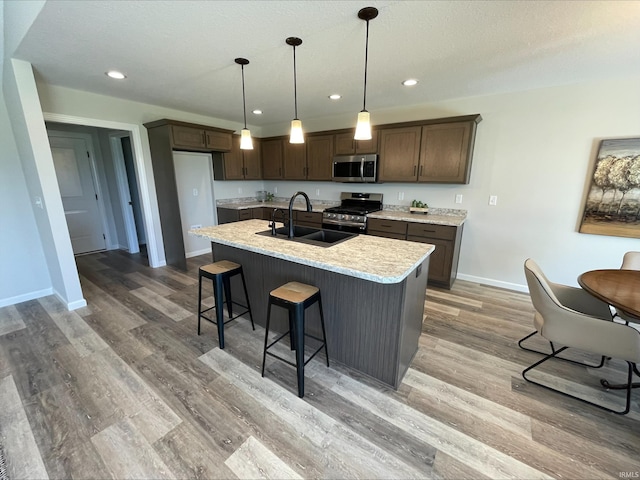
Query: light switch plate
{"x":458,"y":198}
{"x":493,"y":200}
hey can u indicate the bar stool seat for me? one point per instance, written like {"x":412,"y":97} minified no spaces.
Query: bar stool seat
{"x":296,"y":297}
{"x":220,"y":273}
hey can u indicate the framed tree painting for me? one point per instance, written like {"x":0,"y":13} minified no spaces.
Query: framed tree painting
{"x":613,"y":200}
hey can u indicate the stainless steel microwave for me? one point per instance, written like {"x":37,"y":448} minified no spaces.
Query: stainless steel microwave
{"x":355,"y":168}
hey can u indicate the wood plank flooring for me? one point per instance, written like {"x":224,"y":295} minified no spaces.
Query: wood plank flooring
{"x":125,"y":388}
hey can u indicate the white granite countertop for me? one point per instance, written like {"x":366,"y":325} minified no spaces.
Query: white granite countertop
{"x":299,"y":205}
{"x":377,"y":259}
{"x":439,"y":217}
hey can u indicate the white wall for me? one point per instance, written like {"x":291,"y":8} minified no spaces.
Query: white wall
{"x":30,"y":135}
{"x":24,"y":274}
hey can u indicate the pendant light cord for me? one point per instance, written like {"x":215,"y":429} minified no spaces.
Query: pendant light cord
{"x":295,"y":86}
{"x":244,"y":104}
{"x":366,"y":61}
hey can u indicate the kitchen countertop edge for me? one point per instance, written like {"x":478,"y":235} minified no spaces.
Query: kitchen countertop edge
{"x":243,"y":235}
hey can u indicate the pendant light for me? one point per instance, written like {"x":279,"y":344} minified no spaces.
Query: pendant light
{"x":245,"y":135}
{"x":363,"y":127}
{"x":296,"y":135}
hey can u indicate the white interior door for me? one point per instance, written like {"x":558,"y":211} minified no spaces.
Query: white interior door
{"x":194,"y":179}
{"x":77,"y":189}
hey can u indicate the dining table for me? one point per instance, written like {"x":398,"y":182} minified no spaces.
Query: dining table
{"x":620,"y":289}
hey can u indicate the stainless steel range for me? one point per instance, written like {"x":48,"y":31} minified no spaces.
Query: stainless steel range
{"x":351,"y":215}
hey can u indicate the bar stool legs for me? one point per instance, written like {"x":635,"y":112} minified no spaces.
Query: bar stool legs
{"x":296,"y":298}
{"x":220,"y":274}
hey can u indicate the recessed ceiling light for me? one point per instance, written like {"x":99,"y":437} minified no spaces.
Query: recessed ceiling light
{"x":410,"y":83}
{"x":115,"y":74}
{"x":257,"y":112}
{"x":335,"y":96}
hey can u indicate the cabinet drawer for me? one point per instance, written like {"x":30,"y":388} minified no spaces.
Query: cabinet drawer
{"x":431,"y":231}
{"x":391,"y":226}
{"x":314,"y":218}
{"x":245,"y":214}
{"x":397,"y":236}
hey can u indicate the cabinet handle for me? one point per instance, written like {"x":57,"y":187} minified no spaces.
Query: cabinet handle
{"x":204,"y":138}
{"x":421,"y":169}
{"x":414,"y":170}
{"x":280,"y":171}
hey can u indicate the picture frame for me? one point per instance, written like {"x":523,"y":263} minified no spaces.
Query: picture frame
{"x":612,"y":206}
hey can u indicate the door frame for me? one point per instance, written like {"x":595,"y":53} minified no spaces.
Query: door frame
{"x":154,"y":243}
{"x":88,"y":139}
{"x":123,"y":190}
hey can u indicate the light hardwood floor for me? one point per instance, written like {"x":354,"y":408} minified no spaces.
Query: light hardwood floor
{"x":125,"y":388}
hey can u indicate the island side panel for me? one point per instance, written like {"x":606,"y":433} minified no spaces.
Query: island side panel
{"x":413,"y":316}
{"x":363,"y":319}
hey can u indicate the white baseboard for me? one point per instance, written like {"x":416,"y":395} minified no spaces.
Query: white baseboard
{"x":25,"y":297}
{"x":198,"y":252}
{"x":494,"y":283}
{"x":71,"y":305}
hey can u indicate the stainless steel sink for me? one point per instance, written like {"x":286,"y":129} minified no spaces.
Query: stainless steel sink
{"x":311,"y":236}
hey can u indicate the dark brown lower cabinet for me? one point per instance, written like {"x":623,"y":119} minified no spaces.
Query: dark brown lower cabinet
{"x":443,"y":263}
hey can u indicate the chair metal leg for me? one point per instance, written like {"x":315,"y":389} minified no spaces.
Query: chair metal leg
{"x":246,"y":294}
{"x":226,"y":282}
{"x":199,"y":300}
{"x":553,"y":350}
{"x":266,"y":336}
{"x":621,"y":386}
{"x":554,"y":355}
{"x":298,"y":333}
{"x":218,"y":295}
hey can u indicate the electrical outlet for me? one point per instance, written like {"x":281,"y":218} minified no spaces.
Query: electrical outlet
{"x":317,"y":192}
{"x":193,"y":227}
{"x":275,"y":189}
{"x":493,"y":200}
{"x":240,"y":190}
{"x":195,"y":192}
{"x":458,"y":198}
{"x":38,"y":202}
{"x":400,"y":195}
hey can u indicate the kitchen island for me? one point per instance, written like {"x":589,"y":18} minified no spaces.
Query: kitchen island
{"x":373,"y":290}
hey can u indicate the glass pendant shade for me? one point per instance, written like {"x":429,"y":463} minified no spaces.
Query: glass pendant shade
{"x":296,"y":135}
{"x":363,"y":128}
{"x":245,"y":140}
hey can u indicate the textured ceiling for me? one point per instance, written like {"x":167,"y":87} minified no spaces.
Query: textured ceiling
{"x":180,"y":54}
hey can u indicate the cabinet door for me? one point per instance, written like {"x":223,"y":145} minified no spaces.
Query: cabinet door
{"x":319,"y":157}
{"x":272,"y":154}
{"x":440,"y":261}
{"x":187,"y":137}
{"x":399,"y":154}
{"x":346,"y":145}
{"x":233,"y":168}
{"x":445,"y":156}
{"x":295,"y":161}
{"x":252,"y":161}
{"x":218,"y":141}
{"x":228,"y":215}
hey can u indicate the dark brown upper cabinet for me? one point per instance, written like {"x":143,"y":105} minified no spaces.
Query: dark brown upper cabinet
{"x":346,"y":145}
{"x":272,"y":158}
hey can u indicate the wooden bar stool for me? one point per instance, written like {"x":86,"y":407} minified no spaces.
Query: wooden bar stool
{"x":220,"y":273}
{"x":295,"y":297}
